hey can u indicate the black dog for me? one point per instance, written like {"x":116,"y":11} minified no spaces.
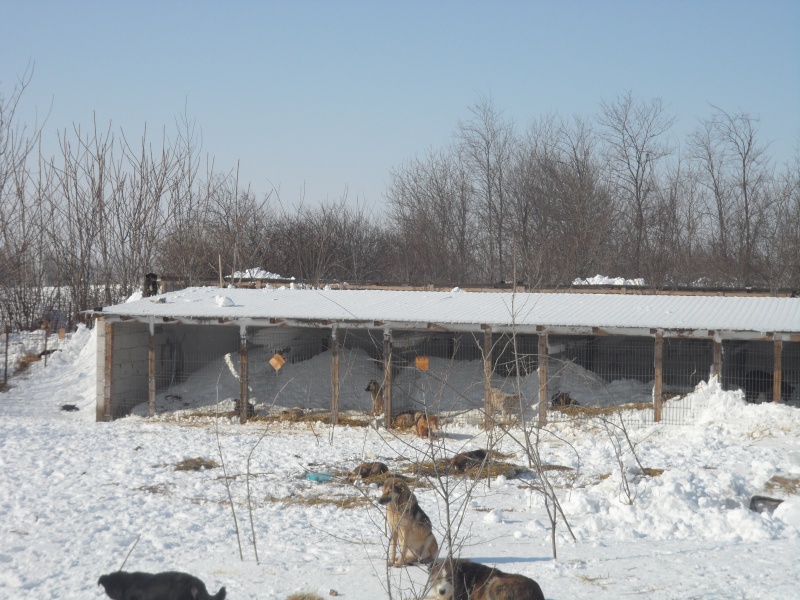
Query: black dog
{"x":170,"y":585}
{"x":756,"y":383}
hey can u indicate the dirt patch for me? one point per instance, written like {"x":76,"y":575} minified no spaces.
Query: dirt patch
{"x":489,"y":470}
{"x":160,"y":488}
{"x":557,"y":468}
{"x":196,"y":464}
{"x":338,"y":501}
{"x":787,"y":485}
{"x":652,"y":472}
{"x":26,"y":361}
{"x":297,"y":416}
{"x":601,"y":411}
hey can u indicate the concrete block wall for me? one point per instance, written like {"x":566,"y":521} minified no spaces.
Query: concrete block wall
{"x":100,"y":366}
{"x":129,"y":368}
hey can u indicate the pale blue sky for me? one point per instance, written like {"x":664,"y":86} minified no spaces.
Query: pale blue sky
{"x":329,"y":96}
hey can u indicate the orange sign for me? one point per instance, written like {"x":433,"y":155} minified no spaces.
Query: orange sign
{"x":422,"y":363}
{"x":277,"y":362}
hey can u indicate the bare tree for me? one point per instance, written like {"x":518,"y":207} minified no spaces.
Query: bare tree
{"x":531,"y":191}
{"x":238,"y":224}
{"x":363,"y":246}
{"x":634,"y":135}
{"x":184,"y":248}
{"x":137,"y":209}
{"x":780,"y":248}
{"x":432,"y":210}
{"x":487,"y":143}
{"x":78,"y":204}
{"x":23,"y":252}
{"x":562,"y":214}
{"x":584,"y":211}
{"x":738,"y":176}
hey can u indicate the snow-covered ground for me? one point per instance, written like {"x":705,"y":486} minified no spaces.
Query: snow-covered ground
{"x":75,"y":496}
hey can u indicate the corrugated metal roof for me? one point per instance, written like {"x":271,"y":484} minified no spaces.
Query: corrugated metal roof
{"x":457,"y":309}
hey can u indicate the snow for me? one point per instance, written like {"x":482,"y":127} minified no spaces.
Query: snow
{"x":77,"y":496}
{"x":605,"y":280}
{"x":468,"y":310}
{"x":257,"y":273}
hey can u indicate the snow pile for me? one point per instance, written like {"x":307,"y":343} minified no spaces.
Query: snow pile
{"x":223,"y":301}
{"x":603,"y":280}
{"x":257,"y":273}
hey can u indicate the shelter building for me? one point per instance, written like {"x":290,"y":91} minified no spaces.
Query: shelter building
{"x":441,"y":351}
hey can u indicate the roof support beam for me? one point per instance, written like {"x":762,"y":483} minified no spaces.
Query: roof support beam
{"x":244,"y":402}
{"x":488,"y":411}
{"x":658,"y":364}
{"x":387,"y":378}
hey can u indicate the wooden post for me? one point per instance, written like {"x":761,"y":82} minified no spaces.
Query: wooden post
{"x":544,"y":398}
{"x":716,"y":367}
{"x":108,"y":371}
{"x":387,"y":378}
{"x":777,"y":372}
{"x":5,"y":365}
{"x":334,"y":376}
{"x":243,"y":400}
{"x":46,"y":328}
{"x":151,"y":370}
{"x":657,"y":383}
{"x":488,"y":411}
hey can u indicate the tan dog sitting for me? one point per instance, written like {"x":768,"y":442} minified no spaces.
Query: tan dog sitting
{"x":409,"y":526}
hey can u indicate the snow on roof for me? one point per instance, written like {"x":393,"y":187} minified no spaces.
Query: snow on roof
{"x":603,"y":280}
{"x":256,"y":273}
{"x":459,"y":310}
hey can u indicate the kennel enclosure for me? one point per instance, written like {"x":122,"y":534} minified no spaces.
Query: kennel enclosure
{"x":440,"y":352}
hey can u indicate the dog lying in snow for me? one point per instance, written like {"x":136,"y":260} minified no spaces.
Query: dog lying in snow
{"x":466,"y":460}
{"x":367,"y":469}
{"x":466,"y":580}
{"x":170,"y":585}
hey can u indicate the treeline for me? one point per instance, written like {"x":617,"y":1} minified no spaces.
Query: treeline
{"x":565,"y":198}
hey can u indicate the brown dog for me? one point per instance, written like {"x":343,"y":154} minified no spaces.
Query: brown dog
{"x":426,"y":424}
{"x":376,"y":390}
{"x":409,"y":526}
{"x":405,"y":420}
{"x":368,"y":469}
{"x":170,"y":585}
{"x":466,"y":460}
{"x":466,"y":580}
{"x":563,"y":399}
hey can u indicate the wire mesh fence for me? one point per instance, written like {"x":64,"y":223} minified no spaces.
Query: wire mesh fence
{"x":291,"y":373}
{"x":28,"y":352}
{"x":750,"y":366}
